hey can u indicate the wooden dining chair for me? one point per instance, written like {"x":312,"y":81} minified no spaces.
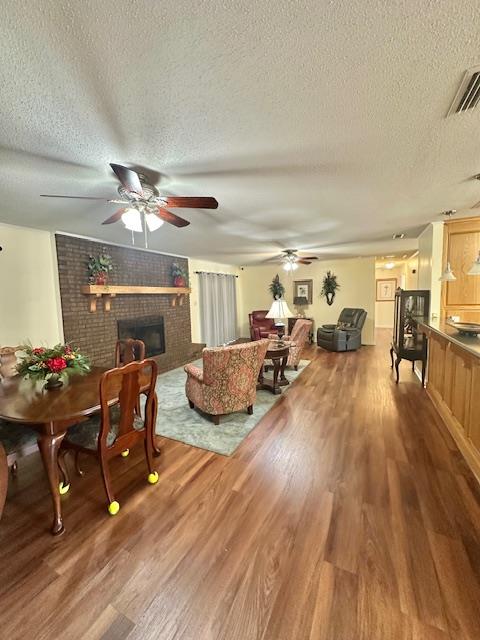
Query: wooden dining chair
{"x":3,"y":478}
{"x":117,"y":427}
{"x":129,"y":350}
{"x":18,"y":441}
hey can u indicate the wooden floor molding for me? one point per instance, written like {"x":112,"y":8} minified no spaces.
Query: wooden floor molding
{"x":348,"y":513}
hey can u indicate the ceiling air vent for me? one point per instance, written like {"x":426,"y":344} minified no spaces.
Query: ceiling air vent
{"x":468,"y":94}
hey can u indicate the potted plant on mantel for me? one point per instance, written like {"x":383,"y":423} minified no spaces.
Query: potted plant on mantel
{"x":179,"y":275}
{"x":99,"y":267}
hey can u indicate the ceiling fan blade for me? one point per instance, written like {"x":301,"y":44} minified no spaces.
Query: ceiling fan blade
{"x":115,"y":217}
{"x":191,"y":202}
{"x":308,"y":257}
{"x":129,"y":178}
{"x":303,"y":262}
{"x":170,"y":217}
{"x":48,"y":195}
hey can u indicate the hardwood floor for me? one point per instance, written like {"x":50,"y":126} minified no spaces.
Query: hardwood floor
{"x":347,"y":514}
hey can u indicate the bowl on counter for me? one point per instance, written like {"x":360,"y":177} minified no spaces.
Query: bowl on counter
{"x":466,"y":328}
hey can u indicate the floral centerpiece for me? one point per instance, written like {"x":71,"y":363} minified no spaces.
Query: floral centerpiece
{"x":52,"y":364}
{"x":99,"y":267}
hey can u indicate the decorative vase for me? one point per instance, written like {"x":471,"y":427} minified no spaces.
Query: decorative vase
{"x":54,"y":382}
{"x":101,"y":278}
{"x":330,"y":297}
{"x":179,"y":281}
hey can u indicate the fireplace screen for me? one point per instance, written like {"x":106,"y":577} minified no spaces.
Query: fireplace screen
{"x":150,"y":330}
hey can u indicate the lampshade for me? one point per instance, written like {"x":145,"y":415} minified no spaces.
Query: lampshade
{"x":475,"y":268}
{"x":300,"y":300}
{"x":132,"y":220}
{"x":153,"y":221}
{"x":279,"y":309}
{"x":447,"y":275}
{"x":290,"y":266}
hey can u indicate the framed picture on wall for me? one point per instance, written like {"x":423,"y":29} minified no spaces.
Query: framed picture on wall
{"x":303,"y":289}
{"x":386,"y":289}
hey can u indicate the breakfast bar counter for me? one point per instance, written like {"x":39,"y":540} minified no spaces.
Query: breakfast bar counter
{"x":453,"y":385}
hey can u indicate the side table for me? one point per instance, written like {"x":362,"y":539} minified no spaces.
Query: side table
{"x":279,"y":357}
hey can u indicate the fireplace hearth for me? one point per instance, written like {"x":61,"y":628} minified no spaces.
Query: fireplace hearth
{"x":149,"y":329}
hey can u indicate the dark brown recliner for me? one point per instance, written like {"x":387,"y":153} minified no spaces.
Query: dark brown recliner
{"x":260,"y":325}
{"x":346,"y":335}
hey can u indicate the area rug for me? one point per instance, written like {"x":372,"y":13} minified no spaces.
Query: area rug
{"x":177,"y":421}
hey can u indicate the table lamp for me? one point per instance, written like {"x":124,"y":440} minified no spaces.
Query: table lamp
{"x":280,"y":310}
{"x":300,"y":301}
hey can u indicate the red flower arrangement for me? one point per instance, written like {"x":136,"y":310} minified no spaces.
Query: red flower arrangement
{"x":41,"y":363}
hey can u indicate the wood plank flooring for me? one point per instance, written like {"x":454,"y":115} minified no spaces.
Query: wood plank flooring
{"x":347,"y":514}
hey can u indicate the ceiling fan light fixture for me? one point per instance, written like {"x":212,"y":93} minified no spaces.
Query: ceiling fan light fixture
{"x":132,"y":220}
{"x":153,"y":221}
{"x":290,"y":264}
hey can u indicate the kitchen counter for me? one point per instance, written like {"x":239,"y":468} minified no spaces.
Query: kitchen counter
{"x":453,"y":385}
{"x":469,"y":343}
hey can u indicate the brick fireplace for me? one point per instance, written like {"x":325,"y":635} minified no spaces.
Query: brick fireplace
{"x":96,"y":333}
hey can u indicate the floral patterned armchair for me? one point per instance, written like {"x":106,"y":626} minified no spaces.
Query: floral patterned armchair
{"x":299,"y":336}
{"x":297,"y":340}
{"x":228,"y":380}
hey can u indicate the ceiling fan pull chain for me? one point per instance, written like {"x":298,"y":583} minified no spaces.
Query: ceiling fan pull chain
{"x":146,"y":231}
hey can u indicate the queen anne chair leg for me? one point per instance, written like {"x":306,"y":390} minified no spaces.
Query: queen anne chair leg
{"x":64,"y":485}
{"x":152,"y":474}
{"x":77,"y":463}
{"x":113,"y":505}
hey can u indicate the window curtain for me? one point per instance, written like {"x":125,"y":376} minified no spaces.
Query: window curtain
{"x":218,"y":308}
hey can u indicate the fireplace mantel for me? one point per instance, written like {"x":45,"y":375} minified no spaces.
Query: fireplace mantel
{"x":107,"y":292}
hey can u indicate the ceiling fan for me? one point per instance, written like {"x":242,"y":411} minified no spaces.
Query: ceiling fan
{"x":145,"y":207}
{"x":291,"y":259}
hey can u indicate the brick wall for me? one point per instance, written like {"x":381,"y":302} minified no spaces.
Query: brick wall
{"x":96,"y":333}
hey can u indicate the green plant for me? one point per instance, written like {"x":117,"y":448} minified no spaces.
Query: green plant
{"x":276,"y":288}
{"x":102,"y":263}
{"x":329,"y":287}
{"x":179,"y":274}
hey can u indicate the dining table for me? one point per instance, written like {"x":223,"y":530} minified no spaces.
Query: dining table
{"x":51,"y":412}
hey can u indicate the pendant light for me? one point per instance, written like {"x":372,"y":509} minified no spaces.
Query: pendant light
{"x":475,"y":268}
{"x":447,"y":275}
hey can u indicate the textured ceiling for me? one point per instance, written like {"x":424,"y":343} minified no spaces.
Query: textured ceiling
{"x":317,"y":125}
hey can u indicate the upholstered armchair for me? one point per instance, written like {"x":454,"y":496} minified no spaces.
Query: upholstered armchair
{"x":346,"y":335}
{"x":260,"y":325}
{"x":299,"y":338}
{"x":228,"y":380}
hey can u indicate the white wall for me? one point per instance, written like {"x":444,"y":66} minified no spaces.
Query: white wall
{"x":384,"y":309}
{"x":430,"y":252}
{"x":29,"y":293}
{"x":357,"y":289}
{"x":214,"y":267}
{"x":406,"y":279}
